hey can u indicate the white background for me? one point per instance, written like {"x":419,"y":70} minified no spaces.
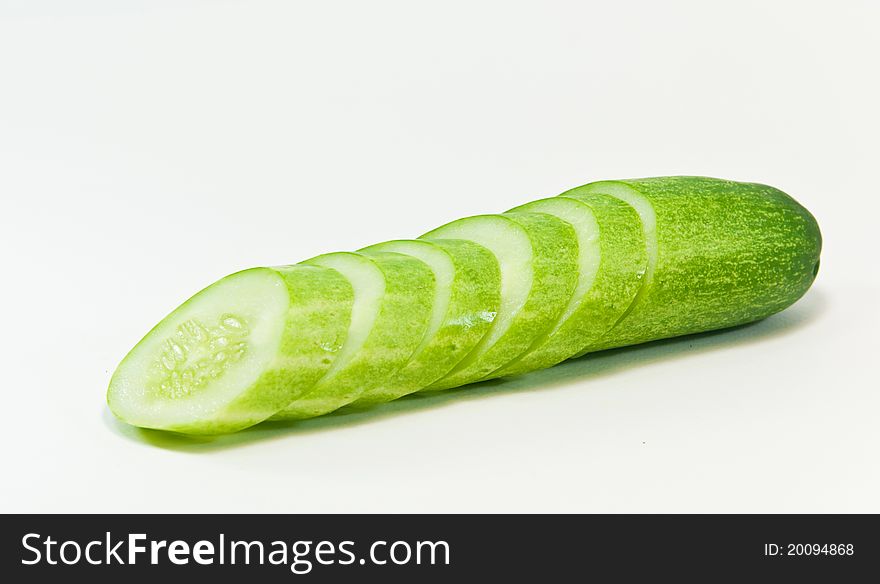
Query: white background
{"x":149,"y":148}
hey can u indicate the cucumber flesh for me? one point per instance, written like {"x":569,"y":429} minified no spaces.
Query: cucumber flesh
{"x":393,"y":294}
{"x":231,"y":355}
{"x":537,"y":256}
{"x":466,"y":300}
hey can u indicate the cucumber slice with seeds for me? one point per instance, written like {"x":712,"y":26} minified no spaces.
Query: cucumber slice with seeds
{"x":537,"y":255}
{"x":236,"y":352}
{"x":466,"y":301}
{"x":393,"y":295}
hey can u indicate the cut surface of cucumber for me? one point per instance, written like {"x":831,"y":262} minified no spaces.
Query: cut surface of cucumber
{"x":393,"y":295}
{"x":537,"y":256}
{"x":230,"y":355}
{"x":466,"y":298}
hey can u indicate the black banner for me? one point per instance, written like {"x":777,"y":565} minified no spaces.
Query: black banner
{"x":279,"y":548}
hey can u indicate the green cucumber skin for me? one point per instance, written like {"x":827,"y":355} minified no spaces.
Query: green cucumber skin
{"x":554,"y":267}
{"x":315,"y":328}
{"x":400,"y":325}
{"x":474,"y":299}
{"x":728,"y":253}
{"x":622,"y":264}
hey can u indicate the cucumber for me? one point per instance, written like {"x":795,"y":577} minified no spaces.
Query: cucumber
{"x":537,"y":255}
{"x":236,"y":352}
{"x":611,"y":261}
{"x":720,"y":254}
{"x":604,"y":265}
{"x":466,"y":300}
{"x":393,"y":295}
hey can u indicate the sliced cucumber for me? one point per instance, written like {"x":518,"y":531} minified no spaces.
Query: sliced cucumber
{"x":537,"y":255}
{"x":721,"y":253}
{"x":236,"y":352}
{"x":393,"y":296}
{"x":648,"y":219}
{"x":466,"y":300}
{"x":611,"y":261}
{"x":605,"y":265}
{"x":625,"y":259}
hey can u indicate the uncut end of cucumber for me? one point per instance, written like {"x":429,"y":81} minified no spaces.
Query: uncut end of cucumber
{"x":196,"y":371}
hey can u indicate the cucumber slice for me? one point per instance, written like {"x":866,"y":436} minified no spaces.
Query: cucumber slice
{"x":625,"y":259}
{"x":648,"y":220}
{"x":721,"y":253}
{"x":611,"y":261}
{"x":236,"y":352}
{"x":537,"y":255}
{"x":466,"y":300}
{"x":393,"y":296}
